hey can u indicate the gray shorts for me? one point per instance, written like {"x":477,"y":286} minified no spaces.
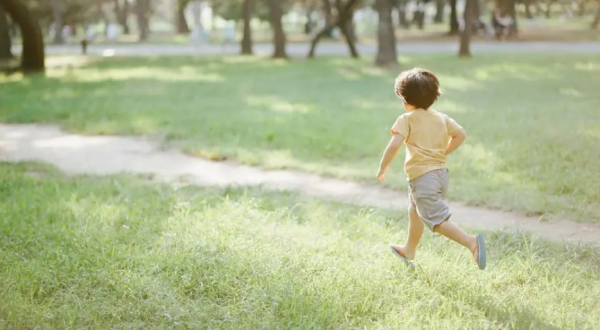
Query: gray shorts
{"x":425,"y":194}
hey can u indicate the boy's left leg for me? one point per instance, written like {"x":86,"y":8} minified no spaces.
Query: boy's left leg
{"x":455,"y":233}
{"x":475,"y":243}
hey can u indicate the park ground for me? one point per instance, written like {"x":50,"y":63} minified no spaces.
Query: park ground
{"x":126,"y":252}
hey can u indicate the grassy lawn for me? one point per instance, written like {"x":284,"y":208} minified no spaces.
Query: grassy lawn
{"x":122,"y":252}
{"x":533,"y":120}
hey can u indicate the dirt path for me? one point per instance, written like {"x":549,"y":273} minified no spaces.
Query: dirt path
{"x":101,"y":155}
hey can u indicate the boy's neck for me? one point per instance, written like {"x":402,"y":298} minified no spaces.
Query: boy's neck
{"x":410,"y":108}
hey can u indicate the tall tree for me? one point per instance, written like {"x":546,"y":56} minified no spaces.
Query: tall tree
{"x":279,"y":40}
{"x":440,"y":5}
{"x":527,"y":4}
{"x":386,"y":38}
{"x":57,"y":13}
{"x":32,"y":57}
{"x":512,"y":12}
{"x":122,"y":9}
{"x":328,"y":11}
{"x":181,"y":25}
{"x":581,"y":6}
{"x":465,"y":37}
{"x":596,"y":21}
{"x":350,"y":31}
{"x":419,"y":15}
{"x":142,"y":8}
{"x":401,"y":7}
{"x":5,"y":42}
{"x":454,"y":26}
{"x":246,"y":44}
{"x":345,"y":11}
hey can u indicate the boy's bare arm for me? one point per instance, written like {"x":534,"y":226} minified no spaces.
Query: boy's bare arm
{"x":455,"y":141}
{"x":389,"y":154}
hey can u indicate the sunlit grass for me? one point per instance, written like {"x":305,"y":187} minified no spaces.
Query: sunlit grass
{"x":530,"y":118}
{"x":121,"y":252}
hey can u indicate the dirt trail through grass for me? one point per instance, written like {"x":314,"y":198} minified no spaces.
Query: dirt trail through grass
{"x":102,"y":155}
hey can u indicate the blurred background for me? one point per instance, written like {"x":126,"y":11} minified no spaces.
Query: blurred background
{"x":222,"y":21}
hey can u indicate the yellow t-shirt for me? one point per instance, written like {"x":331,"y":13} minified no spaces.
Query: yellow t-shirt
{"x":426,"y":134}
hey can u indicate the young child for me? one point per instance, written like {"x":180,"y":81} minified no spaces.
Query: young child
{"x":429,"y":137}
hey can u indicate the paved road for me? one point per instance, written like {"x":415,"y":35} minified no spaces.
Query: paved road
{"x":326,"y":48}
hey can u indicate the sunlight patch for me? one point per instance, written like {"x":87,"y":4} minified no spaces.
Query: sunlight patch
{"x":571,"y":92}
{"x":457,"y":83}
{"x":589,"y":66}
{"x":241,"y":59}
{"x":277,"y":104}
{"x":513,"y":70}
{"x":485,"y":161}
{"x":184,"y":73}
{"x":348,"y":74}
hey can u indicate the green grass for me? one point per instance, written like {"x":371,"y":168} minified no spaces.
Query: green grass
{"x":532,"y":120}
{"x":122,"y":252}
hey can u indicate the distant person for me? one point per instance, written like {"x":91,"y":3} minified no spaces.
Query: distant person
{"x":429,"y":137}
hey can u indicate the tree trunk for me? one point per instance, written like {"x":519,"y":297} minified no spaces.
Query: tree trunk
{"x":122,"y":14}
{"x":247,"y":11}
{"x":346,"y":25}
{"x":182,"y":26}
{"x":402,"y":19}
{"x":347,"y":33}
{"x":5,"y":42}
{"x":477,"y":17}
{"x":58,"y":21}
{"x":440,"y":5}
{"x":549,"y":8}
{"x":465,"y":37}
{"x":454,"y":26}
{"x":277,"y":26}
{"x":386,"y":38}
{"x":528,"y":13}
{"x":596,"y":21}
{"x":419,"y":15}
{"x":142,"y":7}
{"x":512,"y":12}
{"x":581,"y":6}
{"x":350,"y":30}
{"x":328,"y":10}
{"x":32,"y":58}
{"x":344,"y":14}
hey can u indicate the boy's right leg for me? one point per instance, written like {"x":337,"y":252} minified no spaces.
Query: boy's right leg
{"x":415,"y":231}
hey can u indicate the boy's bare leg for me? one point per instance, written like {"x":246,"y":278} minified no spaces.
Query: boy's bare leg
{"x":415,"y":231}
{"x":458,"y":235}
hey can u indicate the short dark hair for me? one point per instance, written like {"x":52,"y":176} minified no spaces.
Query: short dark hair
{"x":418,"y":87}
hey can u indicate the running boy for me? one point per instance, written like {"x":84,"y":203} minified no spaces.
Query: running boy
{"x":429,"y":137}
